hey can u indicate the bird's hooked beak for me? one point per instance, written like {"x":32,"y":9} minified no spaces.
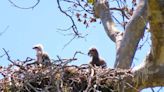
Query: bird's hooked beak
{"x":93,"y":52}
{"x":34,"y":48}
{"x":89,"y":53}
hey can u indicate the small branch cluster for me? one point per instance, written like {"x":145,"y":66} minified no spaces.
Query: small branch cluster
{"x":70,"y":12}
{"x":124,"y":10}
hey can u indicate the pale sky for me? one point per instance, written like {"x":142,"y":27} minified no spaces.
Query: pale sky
{"x":40,"y":25}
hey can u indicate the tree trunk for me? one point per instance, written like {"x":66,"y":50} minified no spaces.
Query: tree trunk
{"x":151,"y":72}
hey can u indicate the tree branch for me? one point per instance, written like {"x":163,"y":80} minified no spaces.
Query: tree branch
{"x":133,"y":32}
{"x":148,"y":74}
{"x":101,"y":10}
{"x":74,"y":27}
{"x":30,"y":7}
{"x":1,"y":33}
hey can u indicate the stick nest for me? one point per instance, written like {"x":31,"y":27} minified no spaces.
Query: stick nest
{"x":60,"y":77}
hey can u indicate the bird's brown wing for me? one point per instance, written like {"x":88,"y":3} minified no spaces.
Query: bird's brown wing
{"x":102,"y":63}
{"x":46,"y":60}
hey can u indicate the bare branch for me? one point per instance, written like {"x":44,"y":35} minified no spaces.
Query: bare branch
{"x":74,"y":27}
{"x":122,"y":11}
{"x":4,"y":30}
{"x":152,"y":90}
{"x":69,"y":42}
{"x":30,"y":7}
{"x":78,"y":52}
{"x":3,"y":55}
{"x":75,"y":33}
{"x":159,"y":89}
{"x":145,"y":41}
{"x":8,"y":57}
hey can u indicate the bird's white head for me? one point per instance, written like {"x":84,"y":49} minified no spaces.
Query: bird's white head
{"x":38,"y":47}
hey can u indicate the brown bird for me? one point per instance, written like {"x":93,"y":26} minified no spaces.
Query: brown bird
{"x":96,"y":61}
{"x":42,"y":57}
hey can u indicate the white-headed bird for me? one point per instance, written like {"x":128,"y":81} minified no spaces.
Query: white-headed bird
{"x":41,"y":56}
{"x":96,"y":61}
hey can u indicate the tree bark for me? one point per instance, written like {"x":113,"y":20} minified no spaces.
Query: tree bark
{"x":101,"y":10}
{"x":151,"y":72}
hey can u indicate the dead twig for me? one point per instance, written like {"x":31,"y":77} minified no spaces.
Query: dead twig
{"x":30,"y":7}
{"x":1,"y":33}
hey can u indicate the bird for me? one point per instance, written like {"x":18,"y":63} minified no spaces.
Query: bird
{"x":96,"y":60}
{"x":41,"y":56}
